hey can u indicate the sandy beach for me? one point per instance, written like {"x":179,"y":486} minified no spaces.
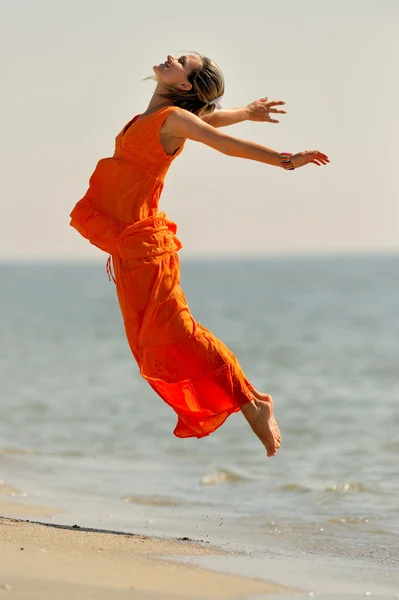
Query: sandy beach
{"x":41,"y":561}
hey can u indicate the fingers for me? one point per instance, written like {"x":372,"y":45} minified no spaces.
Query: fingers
{"x":262,"y":109}
{"x":269,"y":111}
{"x":322,"y":161}
{"x":319,"y":155}
{"x":268,"y":118}
{"x":318,"y":158}
{"x":312,"y":156}
{"x":272,"y":103}
{"x":276,"y":110}
{"x":319,"y":162}
{"x":309,"y":156}
{"x":276,"y":103}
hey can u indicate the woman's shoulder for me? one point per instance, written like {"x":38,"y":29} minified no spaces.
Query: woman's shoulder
{"x":175,"y":117}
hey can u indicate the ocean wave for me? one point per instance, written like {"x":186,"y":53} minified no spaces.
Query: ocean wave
{"x":357,"y":488}
{"x":8,"y":490}
{"x":222,"y":476}
{"x":21,"y":451}
{"x":294,"y":487}
{"x":151,"y":501}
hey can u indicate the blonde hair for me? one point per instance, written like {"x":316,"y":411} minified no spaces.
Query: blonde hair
{"x":207,"y":82}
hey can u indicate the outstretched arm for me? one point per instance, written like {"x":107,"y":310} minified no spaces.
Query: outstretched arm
{"x":183,"y":124}
{"x":259,"y":110}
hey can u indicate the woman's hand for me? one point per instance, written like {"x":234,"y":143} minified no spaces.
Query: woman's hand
{"x":260,"y":110}
{"x":309,"y":156}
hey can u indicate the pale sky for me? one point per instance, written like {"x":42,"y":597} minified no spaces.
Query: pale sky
{"x":71,"y":77}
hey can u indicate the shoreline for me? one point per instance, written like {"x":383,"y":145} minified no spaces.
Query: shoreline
{"x":43,"y":561}
{"x":45,"y":554}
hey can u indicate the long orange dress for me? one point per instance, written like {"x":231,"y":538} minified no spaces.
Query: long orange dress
{"x":186,"y":365}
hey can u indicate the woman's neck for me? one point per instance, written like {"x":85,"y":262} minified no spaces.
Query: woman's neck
{"x":157,"y":101}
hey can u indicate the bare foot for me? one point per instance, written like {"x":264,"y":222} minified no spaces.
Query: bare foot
{"x":259,"y":414}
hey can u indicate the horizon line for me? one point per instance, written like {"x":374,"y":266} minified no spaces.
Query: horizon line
{"x":212,"y":258}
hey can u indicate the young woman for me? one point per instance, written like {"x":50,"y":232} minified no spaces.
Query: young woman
{"x":186,"y":365}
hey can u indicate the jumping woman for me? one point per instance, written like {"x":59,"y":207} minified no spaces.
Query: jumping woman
{"x":185,"y":364}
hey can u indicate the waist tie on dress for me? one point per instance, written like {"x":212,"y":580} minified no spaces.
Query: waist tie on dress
{"x":109,"y":271}
{"x":145,"y":239}
{"x":148,"y":238}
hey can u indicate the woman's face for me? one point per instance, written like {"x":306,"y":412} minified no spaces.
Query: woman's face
{"x":175,"y":71}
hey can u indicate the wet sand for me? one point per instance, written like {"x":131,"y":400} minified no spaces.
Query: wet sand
{"x":40,"y":561}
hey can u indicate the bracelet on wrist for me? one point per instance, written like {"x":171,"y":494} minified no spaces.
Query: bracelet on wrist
{"x":285,"y":158}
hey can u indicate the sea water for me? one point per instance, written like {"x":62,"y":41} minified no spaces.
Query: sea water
{"x":81,"y":431}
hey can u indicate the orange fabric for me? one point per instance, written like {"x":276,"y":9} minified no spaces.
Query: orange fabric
{"x":185,"y":364}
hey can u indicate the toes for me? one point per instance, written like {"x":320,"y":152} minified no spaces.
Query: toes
{"x":271,"y":447}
